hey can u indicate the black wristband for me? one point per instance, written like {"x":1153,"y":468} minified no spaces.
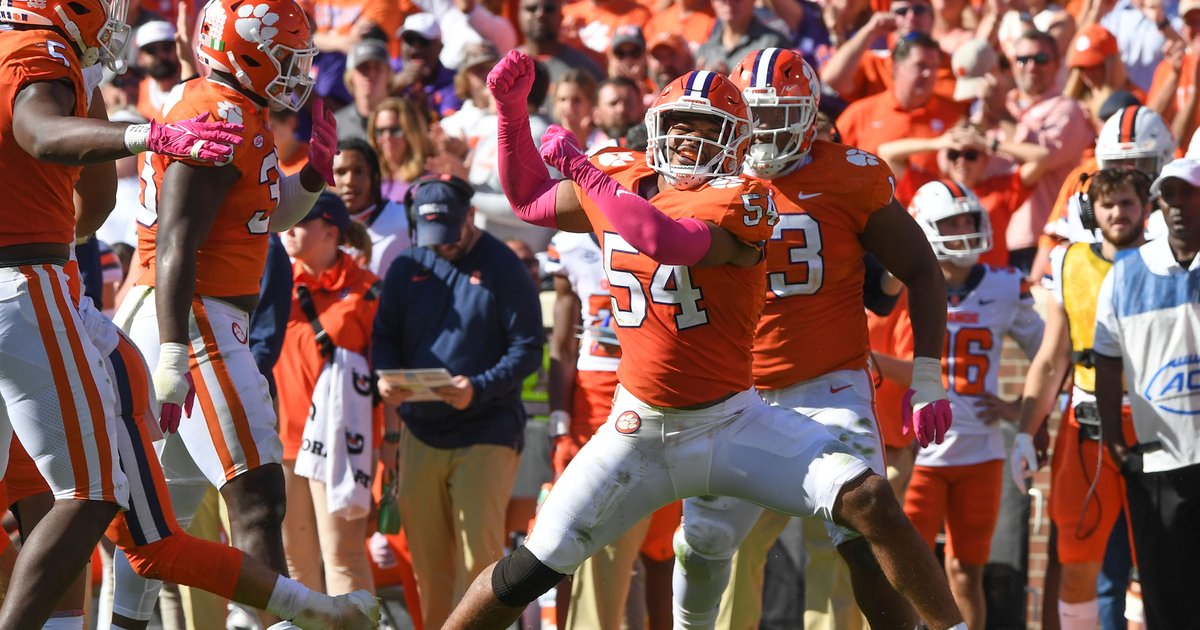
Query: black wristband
{"x":1164,"y":24}
{"x":995,"y":144}
{"x":392,"y":437}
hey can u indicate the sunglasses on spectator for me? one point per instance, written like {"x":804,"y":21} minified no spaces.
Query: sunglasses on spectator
{"x":969,"y":155}
{"x":1040,"y":59}
{"x":391,"y":132}
{"x":546,"y":8}
{"x":917,"y":10}
{"x":627,"y":53}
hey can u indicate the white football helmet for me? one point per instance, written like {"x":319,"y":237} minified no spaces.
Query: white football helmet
{"x":698,"y":93}
{"x":944,"y":199}
{"x":1136,"y":135}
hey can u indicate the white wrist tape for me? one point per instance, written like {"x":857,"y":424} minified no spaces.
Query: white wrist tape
{"x":136,"y":138}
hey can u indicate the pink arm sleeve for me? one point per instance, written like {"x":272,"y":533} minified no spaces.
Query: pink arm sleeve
{"x":646,"y":228}
{"x":523,"y":174}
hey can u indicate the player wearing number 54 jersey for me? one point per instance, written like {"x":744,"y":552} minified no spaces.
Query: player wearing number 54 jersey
{"x":810,"y":352}
{"x":959,"y":481}
{"x":202,"y":242}
{"x":675,"y":228}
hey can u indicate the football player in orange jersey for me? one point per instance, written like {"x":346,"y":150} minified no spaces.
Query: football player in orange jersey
{"x":687,"y":289}
{"x":202,"y":244}
{"x":52,"y":388}
{"x":835,"y":203}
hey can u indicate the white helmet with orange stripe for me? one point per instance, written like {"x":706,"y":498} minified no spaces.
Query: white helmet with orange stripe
{"x":1135,"y":137}
{"x":953,"y":220}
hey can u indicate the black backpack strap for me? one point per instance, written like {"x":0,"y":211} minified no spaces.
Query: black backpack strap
{"x":324,"y":343}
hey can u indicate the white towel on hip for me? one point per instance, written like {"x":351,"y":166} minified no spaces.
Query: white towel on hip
{"x":338,"y":437}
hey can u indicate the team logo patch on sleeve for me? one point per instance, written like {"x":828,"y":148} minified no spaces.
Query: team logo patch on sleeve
{"x":628,"y":422}
{"x":858,"y":157}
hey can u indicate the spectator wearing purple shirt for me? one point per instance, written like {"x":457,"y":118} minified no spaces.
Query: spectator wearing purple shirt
{"x":420,"y":67}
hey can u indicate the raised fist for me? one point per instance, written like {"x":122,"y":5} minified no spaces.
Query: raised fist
{"x":511,"y":79}
{"x":561,"y":150}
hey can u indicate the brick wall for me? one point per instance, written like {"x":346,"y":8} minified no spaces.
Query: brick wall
{"x":1013,"y":367}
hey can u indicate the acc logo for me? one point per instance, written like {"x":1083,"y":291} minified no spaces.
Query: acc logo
{"x":858,"y":157}
{"x":628,"y":422}
{"x":1175,"y":387}
{"x":732,"y":181}
{"x":238,"y":333}
{"x":258,"y":141}
{"x":616,"y":158}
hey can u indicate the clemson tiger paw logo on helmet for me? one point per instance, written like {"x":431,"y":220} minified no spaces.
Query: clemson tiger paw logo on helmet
{"x":859,"y":157}
{"x":256,"y":22}
{"x":229,"y":112}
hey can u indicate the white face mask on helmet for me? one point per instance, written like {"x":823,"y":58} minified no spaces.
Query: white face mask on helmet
{"x":1135,"y":137}
{"x":945,"y":199}
{"x":699,"y":93}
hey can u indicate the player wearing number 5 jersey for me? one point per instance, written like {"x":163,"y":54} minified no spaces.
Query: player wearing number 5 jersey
{"x":810,"y":353}
{"x":958,"y":482}
{"x":202,"y":240}
{"x":54,"y":393}
{"x":675,"y":228}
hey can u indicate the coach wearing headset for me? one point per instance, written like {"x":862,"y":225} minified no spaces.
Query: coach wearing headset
{"x":457,"y":299}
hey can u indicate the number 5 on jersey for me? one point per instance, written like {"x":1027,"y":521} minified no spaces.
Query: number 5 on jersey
{"x":670,"y":285}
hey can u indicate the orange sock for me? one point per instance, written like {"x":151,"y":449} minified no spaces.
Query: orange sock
{"x":189,"y":561}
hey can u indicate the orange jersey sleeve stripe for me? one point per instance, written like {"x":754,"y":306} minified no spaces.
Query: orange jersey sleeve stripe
{"x":241,"y":421}
{"x":66,"y":400}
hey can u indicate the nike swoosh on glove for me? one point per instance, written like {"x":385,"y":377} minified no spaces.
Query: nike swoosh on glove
{"x":561,"y":150}
{"x":173,"y":386}
{"x":322,"y":146}
{"x":195,"y":138}
{"x":1024,"y":460}
{"x":925,"y":409}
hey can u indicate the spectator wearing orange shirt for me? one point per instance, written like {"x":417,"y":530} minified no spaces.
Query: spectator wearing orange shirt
{"x":964,"y":155}
{"x":1097,"y":70}
{"x":908,"y":109}
{"x":856,"y":70}
{"x":1043,"y":116}
{"x":591,"y":24}
{"x":692,"y":20}
{"x":342,"y":300}
{"x":1173,"y":90}
{"x":157,"y":59}
{"x":737,"y":33}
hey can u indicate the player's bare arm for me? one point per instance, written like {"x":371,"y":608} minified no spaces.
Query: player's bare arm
{"x":96,"y":189}
{"x":889,"y":236}
{"x":1047,"y":371}
{"x":46,"y":129}
{"x":564,"y":346}
{"x":185,"y":217}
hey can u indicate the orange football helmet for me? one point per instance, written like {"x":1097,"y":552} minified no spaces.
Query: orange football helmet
{"x":266,"y":45}
{"x":782,"y":92}
{"x":699,"y":94}
{"x":97,"y":27}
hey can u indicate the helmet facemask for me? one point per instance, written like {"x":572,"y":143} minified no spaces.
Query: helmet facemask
{"x":723,"y":153}
{"x":293,"y":83}
{"x":782,"y":130}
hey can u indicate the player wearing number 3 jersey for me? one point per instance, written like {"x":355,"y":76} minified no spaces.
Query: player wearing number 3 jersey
{"x":959,"y":480}
{"x":810,"y":353}
{"x":675,"y":228}
{"x":202,"y":241}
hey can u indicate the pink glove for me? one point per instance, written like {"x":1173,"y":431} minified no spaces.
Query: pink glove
{"x":929,"y":423}
{"x":194,"y":138}
{"x":322,"y":146}
{"x":925,"y":409}
{"x":561,"y":150}
{"x":168,"y":419}
{"x":510,"y":82}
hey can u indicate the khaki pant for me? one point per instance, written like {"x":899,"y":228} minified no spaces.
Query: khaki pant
{"x":312,"y":537}
{"x":452,"y":506}
{"x":741,"y":604}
